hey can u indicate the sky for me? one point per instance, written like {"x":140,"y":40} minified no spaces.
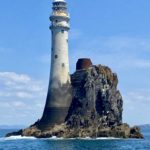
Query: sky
{"x":113,"y":33}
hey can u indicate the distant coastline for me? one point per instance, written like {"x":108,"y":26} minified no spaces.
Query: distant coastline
{"x":145,"y":126}
{"x":12,"y":126}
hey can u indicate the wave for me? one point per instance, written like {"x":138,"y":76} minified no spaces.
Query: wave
{"x":99,"y":138}
{"x":19,"y":138}
{"x":86,"y":138}
{"x":55,"y":138}
{"x":108,"y":138}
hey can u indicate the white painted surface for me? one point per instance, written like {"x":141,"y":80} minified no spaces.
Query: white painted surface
{"x":59,"y":52}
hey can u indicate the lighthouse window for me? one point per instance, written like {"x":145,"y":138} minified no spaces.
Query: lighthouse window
{"x":56,"y":56}
{"x":62,"y":31}
{"x":63,"y":65}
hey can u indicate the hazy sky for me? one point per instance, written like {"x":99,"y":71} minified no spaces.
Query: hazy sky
{"x":111,"y":32}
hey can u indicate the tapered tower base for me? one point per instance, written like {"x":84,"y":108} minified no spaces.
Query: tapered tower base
{"x":57,"y":106}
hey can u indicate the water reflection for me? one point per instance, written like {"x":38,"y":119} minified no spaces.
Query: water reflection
{"x":83,"y":144}
{"x":61,"y":144}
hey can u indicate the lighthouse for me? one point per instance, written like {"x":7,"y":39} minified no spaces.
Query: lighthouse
{"x":59,"y":50}
{"x":59,"y":91}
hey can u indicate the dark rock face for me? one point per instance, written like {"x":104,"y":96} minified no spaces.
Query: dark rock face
{"x":95,"y":111}
{"x":95,"y":98}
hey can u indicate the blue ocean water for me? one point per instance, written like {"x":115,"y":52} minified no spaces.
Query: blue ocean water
{"x":19,"y":143}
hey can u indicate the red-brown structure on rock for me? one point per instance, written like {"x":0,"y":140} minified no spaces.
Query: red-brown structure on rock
{"x":83,"y":63}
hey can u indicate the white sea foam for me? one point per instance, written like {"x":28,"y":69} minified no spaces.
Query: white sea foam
{"x":19,"y":138}
{"x":80,"y":138}
{"x":86,"y":138}
{"x":99,"y":138}
{"x":108,"y":138}
{"x":56,"y":138}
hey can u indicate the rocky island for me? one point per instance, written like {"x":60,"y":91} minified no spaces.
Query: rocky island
{"x":95,"y":110}
{"x":84,"y":104}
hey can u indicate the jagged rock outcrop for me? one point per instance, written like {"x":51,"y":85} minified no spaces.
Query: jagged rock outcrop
{"x":96,"y":99}
{"x":96,"y":109}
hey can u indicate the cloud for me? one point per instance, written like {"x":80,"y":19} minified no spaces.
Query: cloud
{"x":142,"y":63}
{"x":19,"y":85}
{"x":11,"y":78}
{"x":136,"y":106}
{"x":21,"y":94}
{"x":141,"y":96}
{"x":132,"y":63}
{"x":117,"y":52}
{"x":125,"y":44}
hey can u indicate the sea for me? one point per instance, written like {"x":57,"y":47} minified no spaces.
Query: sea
{"x":54,"y":143}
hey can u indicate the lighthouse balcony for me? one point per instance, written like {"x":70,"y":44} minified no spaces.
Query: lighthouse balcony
{"x":59,"y":16}
{"x":67,"y":27}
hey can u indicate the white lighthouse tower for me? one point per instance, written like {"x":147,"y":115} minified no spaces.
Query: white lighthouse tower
{"x":59,"y":51}
{"x":59,"y":92}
